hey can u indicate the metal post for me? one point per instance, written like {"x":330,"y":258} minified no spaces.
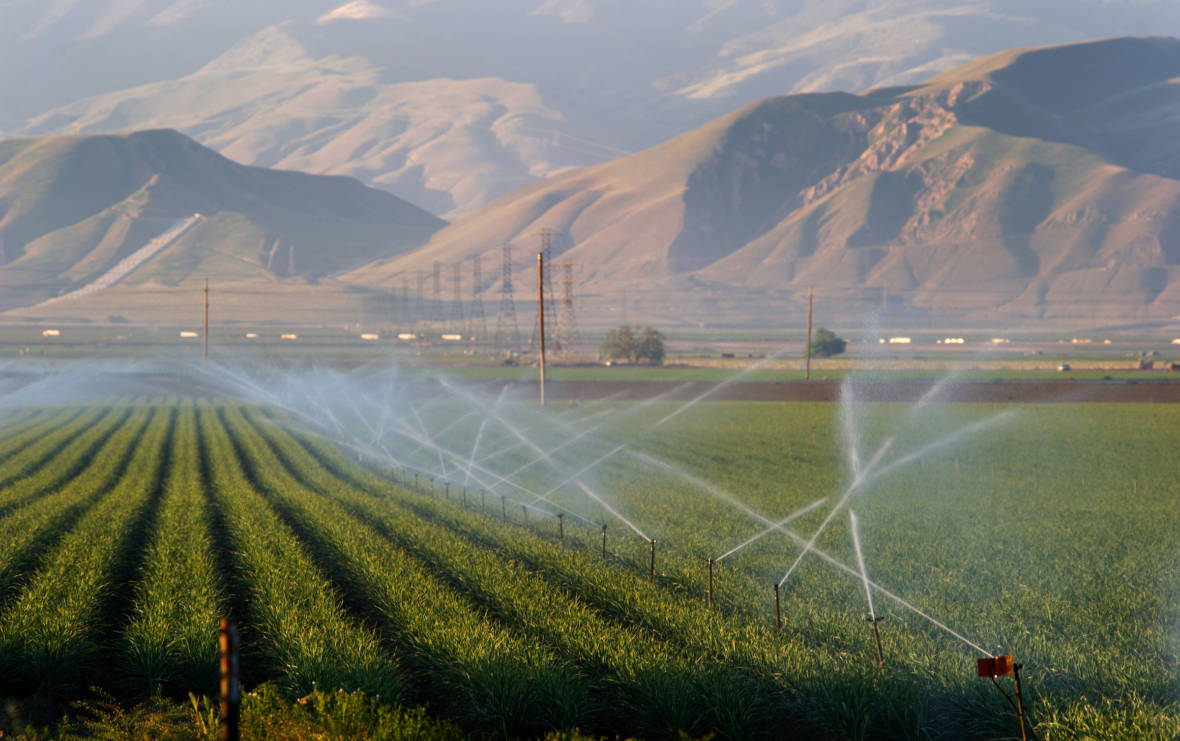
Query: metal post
{"x":541,"y":317}
{"x":1019,"y":700}
{"x":652,"y":570}
{"x":561,"y":527}
{"x":877,"y":638}
{"x":709,"y":593}
{"x":227,"y":634}
{"x":778,"y":613}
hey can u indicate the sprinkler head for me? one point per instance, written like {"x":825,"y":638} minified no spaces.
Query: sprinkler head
{"x":874,"y":620}
{"x":995,"y":666}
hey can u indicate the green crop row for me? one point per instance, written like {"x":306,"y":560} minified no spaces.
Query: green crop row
{"x":53,"y":633}
{"x":294,"y":619}
{"x":171,"y":638}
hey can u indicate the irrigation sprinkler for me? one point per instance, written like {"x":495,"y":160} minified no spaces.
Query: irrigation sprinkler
{"x":464,"y":497}
{"x":1001,"y":666}
{"x":604,"y":542}
{"x":231,"y":694}
{"x":778,"y":612}
{"x":709,"y":591}
{"x":416,"y":482}
{"x":504,"y":507}
{"x":561,"y":527}
{"x":873,"y":620}
{"x":447,"y":490}
{"x":525,"y":509}
{"x":431,"y":486}
{"x":482,"y":502}
{"x":652,"y":570}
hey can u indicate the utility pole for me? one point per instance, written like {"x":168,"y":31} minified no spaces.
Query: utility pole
{"x":807,"y":367}
{"x":541,"y":316}
{"x":457,"y":298}
{"x":547,"y":284}
{"x":205,"y":330}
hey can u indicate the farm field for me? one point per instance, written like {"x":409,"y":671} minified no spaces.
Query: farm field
{"x":403,"y":544}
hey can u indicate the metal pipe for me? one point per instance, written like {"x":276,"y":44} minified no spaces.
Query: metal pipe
{"x":778,"y":613}
{"x":709,"y":593}
{"x":561,"y":527}
{"x":604,"y":542}
{"x":877,"y":638}
{"x":525,"y":509}
{"x":504,"y":507}
{"x":652,"y":570}
{"x":1019,"y":700}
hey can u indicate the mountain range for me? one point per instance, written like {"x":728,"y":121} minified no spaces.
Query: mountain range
{"x":1037,"y":184}
{"x":72,"y":208}
{"x":452,"y":103}
{"x":1029,"y":185}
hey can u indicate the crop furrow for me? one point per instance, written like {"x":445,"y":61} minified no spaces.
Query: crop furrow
{"x":49,"y":637}
{"x":57,"y":444}
{"x":456,"y":653}
{"x":51,"y":509}
{"x":296,"y":623}
{"x":638,"y":671}
{"x":170,"y":641}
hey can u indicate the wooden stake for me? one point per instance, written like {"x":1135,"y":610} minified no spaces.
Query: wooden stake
{"x":231,"y":696}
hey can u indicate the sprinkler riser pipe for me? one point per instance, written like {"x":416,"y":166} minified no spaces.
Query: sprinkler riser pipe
{"x":877,"y":639}
{"x":778,"y":611}
{"x":525,"y":510}
{"x":504,"y":508}
{"x":709,"y":592}
{"x":652,"y":571}
{"x":604,"y":542}
{"x":561,"y":527}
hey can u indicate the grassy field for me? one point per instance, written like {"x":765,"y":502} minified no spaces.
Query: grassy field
{"x":410,"y":555}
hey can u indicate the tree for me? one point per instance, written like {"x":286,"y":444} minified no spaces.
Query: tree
{"x":619,"y":345}
{"x":825,"y":343}
{"x":625,"y":343}
{"x":651,"y":347}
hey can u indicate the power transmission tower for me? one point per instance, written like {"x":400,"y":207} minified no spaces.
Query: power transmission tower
{"x":507,"y":331}
{"x":420,"y":306}
{"x":436,"y":302}
{"x":567,"y":321}
{"x":477,"y":322}
{"x":547,"y":293}
{"x":456,"y":320}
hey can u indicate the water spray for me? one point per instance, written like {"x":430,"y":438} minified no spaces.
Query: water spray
{"x":1003,"y":666}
